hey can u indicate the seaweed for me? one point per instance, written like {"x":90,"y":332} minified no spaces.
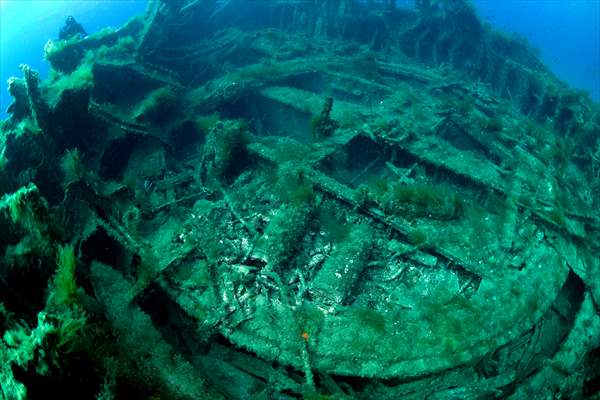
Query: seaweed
{"x":29,"y":209}
{"x":72,"y":166}
{"x":321,"y":126}
{"x":436,"y":201}
{"x":201,"y":236}
{"x":158,"y":107}
{"x":292,"y":187}
{"x":64,"y":288}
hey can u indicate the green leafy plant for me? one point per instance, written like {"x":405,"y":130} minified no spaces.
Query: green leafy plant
{"x":64,"y":288}
{"x":72,"y":166}
{"x":158,"y":107}
{"x":81,"y":78}
{"x":27,"y":208}
{"x":422,"y":200}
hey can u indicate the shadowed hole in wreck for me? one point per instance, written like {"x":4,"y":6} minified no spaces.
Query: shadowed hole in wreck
{"x":23,"y":290}
{"x":116,"y":157}
{"x":269,"y":118}
{"x":570,"y":297}
{"x":591,"y":386}
{"x":101,"y":247}
{"x":82,"y":379}
{"x":187,"y":140}
{"x":358,"y":161}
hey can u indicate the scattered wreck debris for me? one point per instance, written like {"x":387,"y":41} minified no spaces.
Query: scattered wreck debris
{"x":331,"y":200}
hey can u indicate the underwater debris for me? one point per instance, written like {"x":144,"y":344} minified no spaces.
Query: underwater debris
{"x":168,"y":226}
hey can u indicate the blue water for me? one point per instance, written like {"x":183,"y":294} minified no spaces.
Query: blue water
{"x":26,"y":25}
{"x":567,"y":32}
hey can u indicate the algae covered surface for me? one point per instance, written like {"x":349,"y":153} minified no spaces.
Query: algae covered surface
{"x":299,"y":200}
